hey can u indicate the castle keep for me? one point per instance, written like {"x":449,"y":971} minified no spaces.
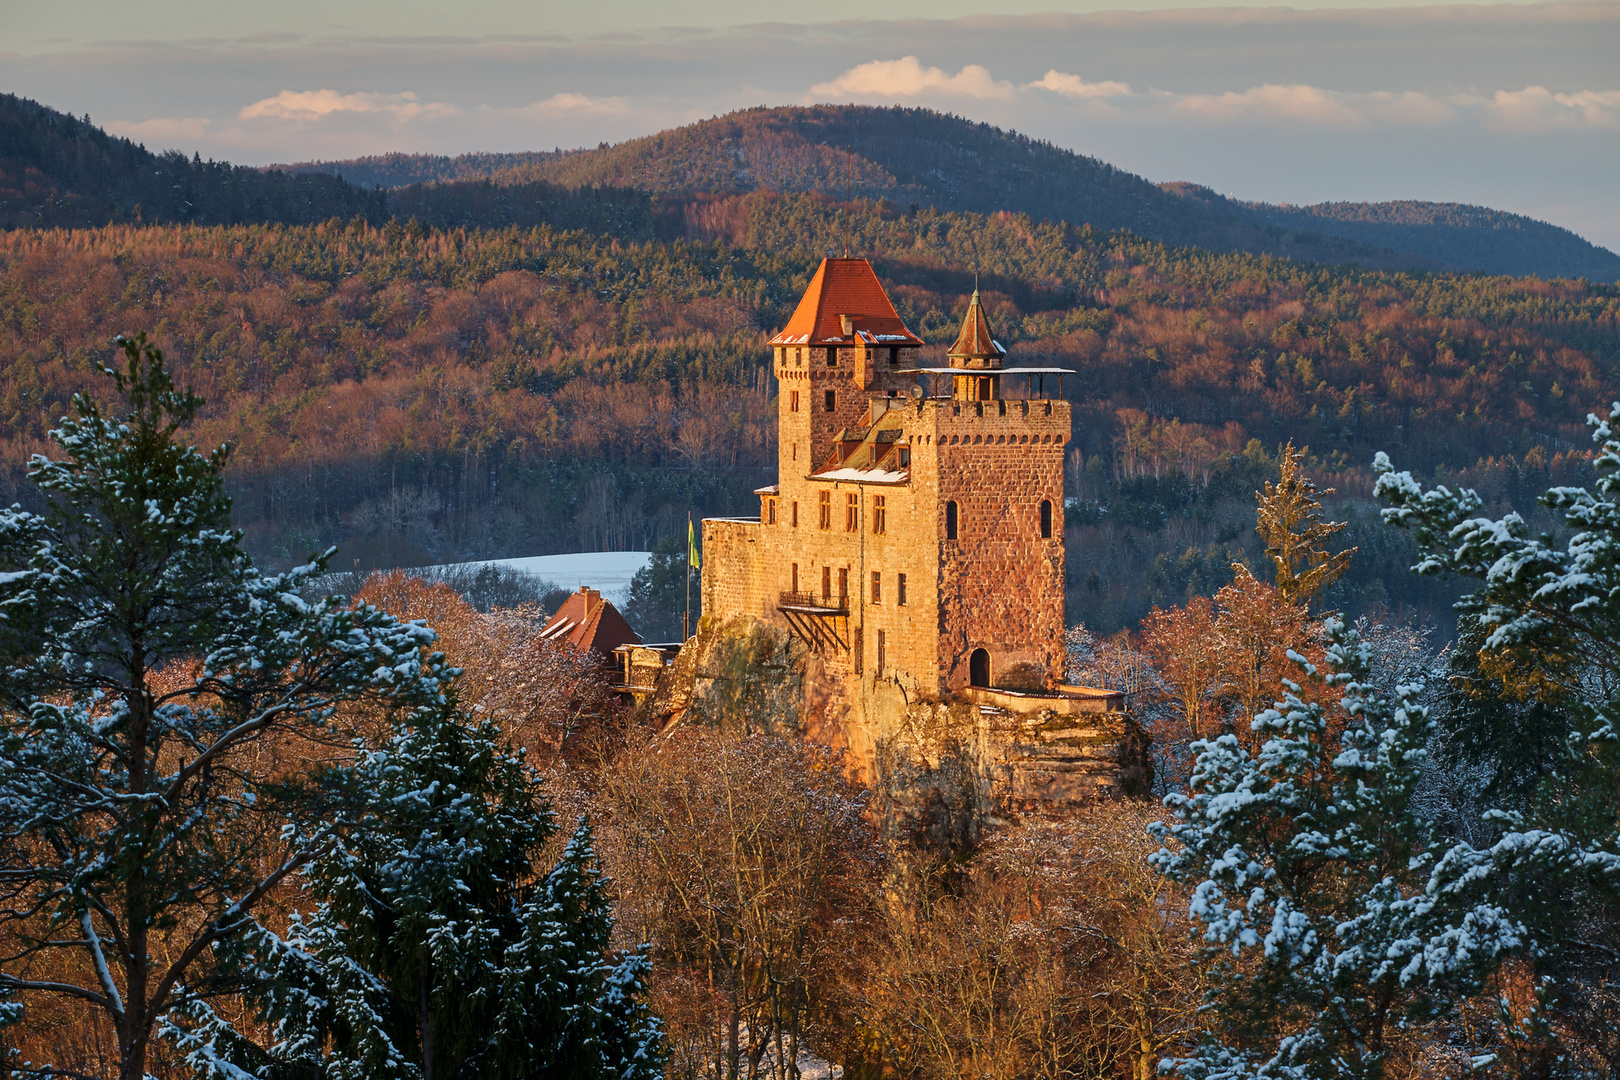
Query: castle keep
{"x":913,"y":544}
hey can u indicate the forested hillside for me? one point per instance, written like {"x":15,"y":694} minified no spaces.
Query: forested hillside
{"x":60,"y":172}
{"x":930,"y":159}
{"x":459,"y":393}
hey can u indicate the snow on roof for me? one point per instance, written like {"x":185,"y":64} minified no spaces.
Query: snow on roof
{"x":986,"y":371}
{"x":865,"y":476}
{"x":773,"y":489}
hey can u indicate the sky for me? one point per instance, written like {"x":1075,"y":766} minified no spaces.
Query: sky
{"x":1510,"y":105}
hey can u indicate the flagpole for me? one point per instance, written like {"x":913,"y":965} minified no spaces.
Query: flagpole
{"x":686,"y":619}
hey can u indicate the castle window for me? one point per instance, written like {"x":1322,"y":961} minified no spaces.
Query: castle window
{"x":881,"y":649}
{"x":770,"y":511}
{"x":852,"y":512}
{"x":832,"y":357}
{"x":795,"y":513}
{"x":950,"y":521}
{"x":979,"y":668}
{"x":905,"y":457}
{"x":793,"y":401}
{"x":795,"y":587}
{"x":879,"y":516}
{"x":859,"y":650}
{"x":894,"y":354}
{"x":826,"y":509}
{"x":1046,"y":519}
{"x":826,"y":583}
{"x":832,"y":400}
{"x":798,"y":357}
{"x":899,"y":590}
{"x":843,"y":585}
{"x":877,"y":587}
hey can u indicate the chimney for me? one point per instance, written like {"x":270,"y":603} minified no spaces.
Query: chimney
{"x":848,"y":323}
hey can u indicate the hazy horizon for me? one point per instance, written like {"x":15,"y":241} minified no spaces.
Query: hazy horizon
{"x":1513,"y":106}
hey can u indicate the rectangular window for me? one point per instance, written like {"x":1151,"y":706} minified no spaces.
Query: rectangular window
{"x":793,"y":401}
{"x":770,"y":511}
{"x":905,"y":457}
{"x":881,"y":649}
{"x":795,"y":513}
{"x":832,"y":357}
{"x":826,"y":509}
{"x":859,"y":650}
{"x":852,"y":512}
{"x":877,"y":587}
{"x":879,"y":516}
{"x":900,"y":590}
{"x":832,"y":401}
{"x":843,"y":585}
{"x":894,"y":354}
{"x":826,"y":583}
{"x":795,"y":587}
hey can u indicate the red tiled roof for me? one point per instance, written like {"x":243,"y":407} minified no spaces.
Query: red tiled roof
{"x":976,"y":342}
{"x":589,"y":622}
{"x":845,"y":287}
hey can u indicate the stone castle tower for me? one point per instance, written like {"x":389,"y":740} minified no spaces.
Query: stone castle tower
{"x":914,"y":540}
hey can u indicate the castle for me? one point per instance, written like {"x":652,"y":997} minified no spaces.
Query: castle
{"x":913,"y":543}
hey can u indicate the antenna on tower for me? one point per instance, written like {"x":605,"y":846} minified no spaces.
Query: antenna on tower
{"x":849,"y":183}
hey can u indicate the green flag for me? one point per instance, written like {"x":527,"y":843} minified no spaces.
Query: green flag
{"x":693,"y":559}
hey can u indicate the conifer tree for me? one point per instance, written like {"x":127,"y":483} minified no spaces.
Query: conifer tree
{"x":1290,"y":520}
{"x":142,"y":660}
{"x":1333,"y":919}
{"x":434,"y":952}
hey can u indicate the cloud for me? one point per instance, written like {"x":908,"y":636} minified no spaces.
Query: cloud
{"x":1536,"y":107}
{"x":907,"y":78}
{"x":1067,"y":85}
{"x":1315,"y":106}
{"x":310,"y":105}
{"x":565,"y":103}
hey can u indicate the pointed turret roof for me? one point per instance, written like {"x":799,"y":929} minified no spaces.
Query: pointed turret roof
{"x":976,"y":342}
{"x":845,"y":287}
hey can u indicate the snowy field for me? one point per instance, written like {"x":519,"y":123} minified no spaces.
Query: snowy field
{"x":608,"y":572}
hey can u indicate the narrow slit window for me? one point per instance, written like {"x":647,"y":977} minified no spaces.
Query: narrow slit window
{"x":852,"y":512}
{"x":860,"y":648}
{"x":826,"y":509}
{"x":877,"y":587}
{"x":795,"y":513}
{"x":793,"y":401}
{"x":899,"y":590}
{"x":826,"y":583}
{"x":843,"y":585}
{"x":832,"y":400}
{"x":882,"y":648}
{"x":795,"y":586}
{"x":879,"y":515}
{"x":1046,"y":519}
{"x":950,"y":521}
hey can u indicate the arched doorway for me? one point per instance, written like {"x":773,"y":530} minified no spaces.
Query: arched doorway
{"x":979,"y":668}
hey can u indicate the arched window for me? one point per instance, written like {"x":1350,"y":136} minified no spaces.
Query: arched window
{"x":979,"y":668}
{"x":1046,"y":519}
{"x":950,"y":521}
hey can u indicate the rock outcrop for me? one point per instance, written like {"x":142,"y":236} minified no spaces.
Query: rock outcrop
{"x":942,"y":770}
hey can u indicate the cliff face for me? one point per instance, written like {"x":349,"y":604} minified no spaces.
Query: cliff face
{"x":942,"y":770}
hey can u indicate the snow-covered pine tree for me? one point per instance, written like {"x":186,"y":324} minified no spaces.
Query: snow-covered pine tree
{"x":1541,"y":703}
{"x":435,"y":951}
{"x":142,"y":661}
{"x":1330,"y":917}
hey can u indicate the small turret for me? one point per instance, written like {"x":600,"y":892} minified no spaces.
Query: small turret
{"x":976,"y":349}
